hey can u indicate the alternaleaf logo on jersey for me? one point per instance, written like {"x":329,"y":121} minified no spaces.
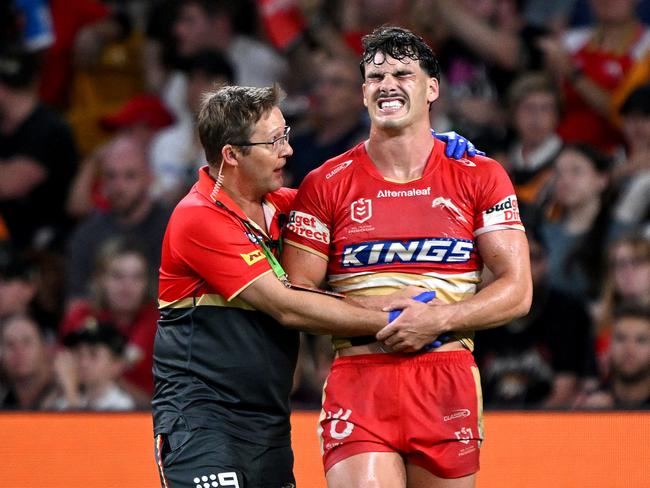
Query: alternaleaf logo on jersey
{"x":427,"y":250}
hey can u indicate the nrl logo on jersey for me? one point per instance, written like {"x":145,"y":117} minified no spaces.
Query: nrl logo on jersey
{"x":432,"y":250}
{"x":361,"y":210}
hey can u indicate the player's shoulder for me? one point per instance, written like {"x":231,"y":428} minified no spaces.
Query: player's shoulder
{"x":474,"y":166}
{"x":338,"y":167}
{"x":282,"y":199}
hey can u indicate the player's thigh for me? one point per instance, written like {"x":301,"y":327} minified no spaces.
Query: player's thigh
{"x":206,"y":458}
{"x":368,"y":470}
{"x":418,"y":477}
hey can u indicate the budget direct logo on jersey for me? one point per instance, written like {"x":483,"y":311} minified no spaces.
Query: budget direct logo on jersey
{"x":306,"y":225}
{"x":361,"y":210}
{"x":504,"y":212}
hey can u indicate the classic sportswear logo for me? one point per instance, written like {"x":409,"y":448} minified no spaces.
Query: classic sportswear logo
{"x":337,"y":168}
{"x":413,"y":192}
{"x":306,"y":225}
{"x":432,"y":250}
{"x":456,"y":414}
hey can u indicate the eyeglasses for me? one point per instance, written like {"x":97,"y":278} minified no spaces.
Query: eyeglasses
{"x":277,"y":143}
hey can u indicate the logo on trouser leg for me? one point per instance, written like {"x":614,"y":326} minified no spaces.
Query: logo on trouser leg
{"x":464,"y":435}
{"x":340,"y":417}
{"x":217,"y":480}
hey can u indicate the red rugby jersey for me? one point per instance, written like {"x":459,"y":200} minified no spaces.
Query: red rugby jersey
{"x":378,"y":235}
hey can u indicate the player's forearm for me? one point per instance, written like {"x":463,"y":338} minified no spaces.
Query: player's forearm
{"x":503,"y":300}
{"x":319,"y":314}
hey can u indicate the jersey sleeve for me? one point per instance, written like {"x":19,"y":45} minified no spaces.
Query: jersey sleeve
{"x":496,"y":205}
{"x":309,"y":224}
{"x":218,"y":249}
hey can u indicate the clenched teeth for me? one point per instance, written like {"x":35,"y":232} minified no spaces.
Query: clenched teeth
{"x":390,"y":104}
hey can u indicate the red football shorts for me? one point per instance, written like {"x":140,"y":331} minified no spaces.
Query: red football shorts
{"x":427,"y":407}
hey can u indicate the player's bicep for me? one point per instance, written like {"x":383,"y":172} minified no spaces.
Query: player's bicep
{"x":505,"y":253}
{"x":304,"y":267}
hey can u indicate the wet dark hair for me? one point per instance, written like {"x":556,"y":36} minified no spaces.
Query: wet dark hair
{"x":398,"y":43}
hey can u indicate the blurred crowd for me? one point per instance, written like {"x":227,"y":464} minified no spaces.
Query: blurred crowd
{"x":98,"y":142}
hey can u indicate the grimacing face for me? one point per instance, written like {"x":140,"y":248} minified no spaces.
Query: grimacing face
{"x":397,"y":93}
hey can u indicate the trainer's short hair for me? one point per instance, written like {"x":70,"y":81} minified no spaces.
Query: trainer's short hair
{"x":229,"y":115}
{"x":398,"y":43}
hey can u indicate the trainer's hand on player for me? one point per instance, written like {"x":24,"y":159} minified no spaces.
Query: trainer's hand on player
{"x":417,"y":326}
{"x":457,"y":146}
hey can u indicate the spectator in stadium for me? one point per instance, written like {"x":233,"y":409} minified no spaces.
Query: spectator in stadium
{"x":215,"y":25}
{"x":208,"y":24}
{"x":592,"y":63}
{"x":108,"y":71}
{"x":575,"y":229}
{"x":337,"y":121}
{"x":121,"y":293}
{"x":126,"y":180}
{"x":88,"y":369}
{"x":628,"y":384}
{"x":79,"y":25}
{"x":141,"y":118}
{"x":366,"y":223}
{"x":542,"y":360}
{"x":176,"y":152}
{"x":38,"y":158}
{"x":18,"y":287}
{"x":223,"y":362}
{"x":26,"y":364}
{"x":632,"y":176}
{"x":534,"y":105}
{"x":627,"y":283}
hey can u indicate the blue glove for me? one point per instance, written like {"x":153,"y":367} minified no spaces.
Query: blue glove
{"x":424,"y":297}
{"x":457,"y":145}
